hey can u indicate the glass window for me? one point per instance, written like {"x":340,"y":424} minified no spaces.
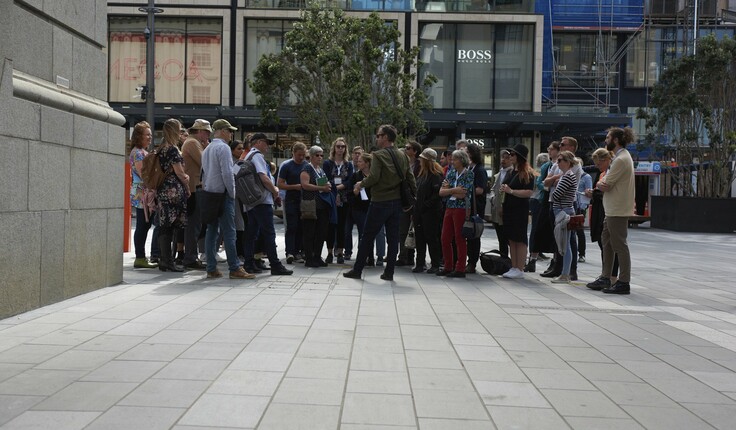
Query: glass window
{"x":578,"y":54}
{"x":479,"y":66}
{"x":188,"y":60}
{"x":262,"y":37}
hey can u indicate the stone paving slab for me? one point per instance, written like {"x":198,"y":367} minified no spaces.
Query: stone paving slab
{"x":318,"y":351}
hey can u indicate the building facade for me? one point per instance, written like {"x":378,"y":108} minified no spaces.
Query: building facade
{"x":62,"y":155}
{"x":509,"y":71}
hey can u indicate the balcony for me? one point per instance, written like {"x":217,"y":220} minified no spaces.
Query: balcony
{"x":487,"y":6}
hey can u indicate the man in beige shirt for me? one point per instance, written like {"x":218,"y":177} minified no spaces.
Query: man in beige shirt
{"x":199,"y":137}
{"x":618,"y":204}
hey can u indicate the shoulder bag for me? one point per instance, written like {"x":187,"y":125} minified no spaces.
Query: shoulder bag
{"x":408,"y":198}
{"x":473,"y":225}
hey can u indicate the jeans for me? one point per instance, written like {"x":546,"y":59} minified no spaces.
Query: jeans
{"x":569,"y":256}
{"x":581,"y":234}
{"x":293,"y":235}
{"x":141,"y":233}
{"x":191,"y":231}
{"x":260,"y":222}
{"x":380,"y":214}
{"x":226,"y":223}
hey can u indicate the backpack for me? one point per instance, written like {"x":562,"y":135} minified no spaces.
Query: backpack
{"x":248,"y":186}
{"x":151,"y":172}
{"x":493,"y":264}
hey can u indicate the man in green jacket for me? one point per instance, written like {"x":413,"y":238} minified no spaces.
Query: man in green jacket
{"x":385,"y":209}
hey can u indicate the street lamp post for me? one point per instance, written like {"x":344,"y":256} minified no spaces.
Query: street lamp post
{"x":150,"y":34}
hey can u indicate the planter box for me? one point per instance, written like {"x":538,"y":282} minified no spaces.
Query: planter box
{"x":694,"y":214}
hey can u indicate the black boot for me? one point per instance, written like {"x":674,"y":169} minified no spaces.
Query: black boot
{"x":166,"y":260}
{"x":531,"y":266}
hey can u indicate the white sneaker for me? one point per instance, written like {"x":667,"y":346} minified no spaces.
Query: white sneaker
{"x":562,"y":279}
{"x":513,"y":273}
{"x":202,"y":256}
{"x":221,"y":257}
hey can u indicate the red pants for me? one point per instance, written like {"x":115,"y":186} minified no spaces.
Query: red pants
{"x":452,"y":229}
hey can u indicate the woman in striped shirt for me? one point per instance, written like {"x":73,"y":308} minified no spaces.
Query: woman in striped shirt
{"x":562,"y":201}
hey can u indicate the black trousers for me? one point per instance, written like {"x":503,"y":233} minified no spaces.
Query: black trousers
{"x":314,"y":234}
{"x":427,"y":235}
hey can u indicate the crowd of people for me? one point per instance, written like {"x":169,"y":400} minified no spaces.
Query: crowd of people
{"x":326,"y":198}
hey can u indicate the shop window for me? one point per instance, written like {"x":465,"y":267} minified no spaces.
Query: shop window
{"x":188,"y":54}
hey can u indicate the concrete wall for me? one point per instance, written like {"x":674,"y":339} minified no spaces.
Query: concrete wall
{"x":61,"y":155}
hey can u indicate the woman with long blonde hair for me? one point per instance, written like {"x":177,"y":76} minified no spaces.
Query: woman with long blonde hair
{"x":172,"y":195}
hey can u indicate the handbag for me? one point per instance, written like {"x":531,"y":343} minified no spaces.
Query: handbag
{"x":493,"y":264}
{"x":211,"y":205}
{"x":474,"y":224}
{"x":411,"y":239}
{"x":408,"y":198}
{"x":308,"y":209}
{"x":576,"y":222}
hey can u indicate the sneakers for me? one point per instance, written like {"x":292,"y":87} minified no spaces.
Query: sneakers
{"x":215,"y":274}
{"x":289,"y":259}
{"x":196,"y":265}
{"x":221,"y":257}
{"x":299,"y":258}
{"x":241,"y":274}
{"x":202,"y":256}
{"x":618,"y":288}
{"x":599,"y":284}
{"x":562,"y":279}
{"x":143,"y":263}
{"x":514,"y":273}
{"x":379,"y":262}
{"x":581,"y":259}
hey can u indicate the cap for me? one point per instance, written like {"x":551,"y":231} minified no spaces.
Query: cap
{"x":429,"y":154}
{"x":222,"y":124}
{"x":261,"y":136}
{"x":201,"y":124}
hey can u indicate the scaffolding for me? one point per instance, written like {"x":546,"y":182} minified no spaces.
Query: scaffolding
{"x":593,"y":87}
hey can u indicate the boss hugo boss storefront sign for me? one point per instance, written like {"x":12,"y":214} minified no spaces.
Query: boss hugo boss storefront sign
{"x":479,"y":66}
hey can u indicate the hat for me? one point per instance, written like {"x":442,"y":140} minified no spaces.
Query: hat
{"x":520,"y":150}
{"x":261,"y":136}
{"x":222,"y":124}
{"x":201,"y":124}
{"x":429,"y":154}
{"x":505,"y":151}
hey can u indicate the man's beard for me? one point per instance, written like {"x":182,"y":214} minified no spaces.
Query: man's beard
{"x":610,"y":146}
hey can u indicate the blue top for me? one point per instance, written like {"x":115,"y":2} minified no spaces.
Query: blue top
{"x":290,"y":172}
{"x":463,"y":179}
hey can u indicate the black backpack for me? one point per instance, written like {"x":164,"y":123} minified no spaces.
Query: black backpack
{"x":493,"y":264}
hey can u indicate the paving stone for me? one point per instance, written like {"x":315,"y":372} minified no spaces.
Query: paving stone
{"x":220,"y":410}
{"x":558,"y":378}
{"x":449,"y":404}
{"x":318,"y":368}
{"x":440,"y":379}
{"x":316,"y":417}
{"x":582,"y":404}
{"x":246,"y":382}
{"x":386,"y":409}
{"x":452,"y":424}
{"x":510,"y":394}
{"x":653,"y":418}
{"x":433,"y":360}
{"x":56,"y":420}
{"x":166,"y":393}
{"x":39,"y":382}
{"x":136,"y":417}
{"x":125,"y":371}
{"x":304,"y":391}
{"x":378,"y":382}
{"x":87,"y":396}
{"x":522,"y":418}
{"x":586,"y":423}
{"x":16,"y":405}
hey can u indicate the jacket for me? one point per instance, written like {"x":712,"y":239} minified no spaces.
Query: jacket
{"x":384,"y":180}
{"x":618,"y":201}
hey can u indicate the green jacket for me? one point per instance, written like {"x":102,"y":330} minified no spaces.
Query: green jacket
{"x":384,"y":180}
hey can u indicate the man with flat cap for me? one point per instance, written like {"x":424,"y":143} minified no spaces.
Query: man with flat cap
{"x":199,"y":138}
{"x":218,"y":177}
{"x":260,"y":217}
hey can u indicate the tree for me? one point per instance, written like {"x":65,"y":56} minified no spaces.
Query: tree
{"x":694,"y":99}
{"x":342,"y":76}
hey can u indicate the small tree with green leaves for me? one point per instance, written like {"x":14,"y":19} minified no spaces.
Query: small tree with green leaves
{"x":342,"y":76}
{"x":696,"y":98}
